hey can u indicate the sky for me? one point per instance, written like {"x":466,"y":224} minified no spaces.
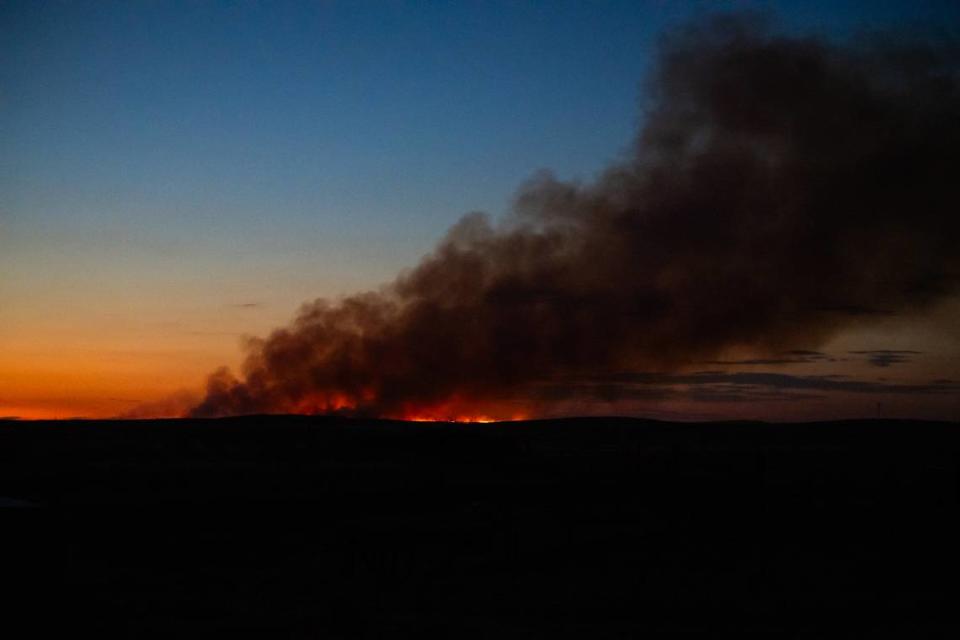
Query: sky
{"x":175,"y":176}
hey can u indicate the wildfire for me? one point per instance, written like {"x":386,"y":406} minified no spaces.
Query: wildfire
{"x":431,"y":418}
{"x":326,"y":403}
{"x":452,"y":411}
{"x":445,"y":414}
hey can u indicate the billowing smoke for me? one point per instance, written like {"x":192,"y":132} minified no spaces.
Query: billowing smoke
{"x":779,"y":190}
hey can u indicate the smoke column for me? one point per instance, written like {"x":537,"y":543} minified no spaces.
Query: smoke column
{"x":779,"y":190}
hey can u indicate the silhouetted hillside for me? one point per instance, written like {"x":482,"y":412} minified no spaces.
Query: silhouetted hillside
{"x":326,"y":527}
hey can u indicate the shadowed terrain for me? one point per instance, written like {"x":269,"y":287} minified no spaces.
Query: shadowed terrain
{"x":327,"y":527}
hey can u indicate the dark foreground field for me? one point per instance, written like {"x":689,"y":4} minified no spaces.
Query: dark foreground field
{"x":281,"y":527}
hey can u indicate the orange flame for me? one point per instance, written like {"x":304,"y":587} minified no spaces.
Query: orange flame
{"x":457,"y":411}
{"x":325,"y":403}
{"x":464,"y":418}
{"x":454,"y":410}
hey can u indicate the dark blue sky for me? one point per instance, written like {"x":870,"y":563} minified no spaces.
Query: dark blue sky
{"x":167,"y":160}
{"x":366,"y":121}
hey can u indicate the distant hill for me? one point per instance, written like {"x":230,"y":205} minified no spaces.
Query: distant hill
{"x":598,"y":527}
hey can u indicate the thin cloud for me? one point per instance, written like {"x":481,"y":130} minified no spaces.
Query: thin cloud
{"x":796,"y":356}
{"x":887,"y":357}
{"x":722,"y":386}
{"x":804,"y":383}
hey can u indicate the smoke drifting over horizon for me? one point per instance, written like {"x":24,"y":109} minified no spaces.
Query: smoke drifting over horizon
{"x":780,"y":189}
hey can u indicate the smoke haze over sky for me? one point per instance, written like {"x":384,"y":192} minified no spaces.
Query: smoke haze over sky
{"x":174,"y":177}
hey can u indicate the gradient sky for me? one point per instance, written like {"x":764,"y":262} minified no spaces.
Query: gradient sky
{"x":174,"y":175}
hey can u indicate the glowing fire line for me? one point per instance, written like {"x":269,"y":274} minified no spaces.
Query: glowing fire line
{"x":338,"y":403}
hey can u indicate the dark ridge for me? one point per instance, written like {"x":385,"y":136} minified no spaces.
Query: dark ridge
{"x":590,"y":527}
{"x":269,"y":458}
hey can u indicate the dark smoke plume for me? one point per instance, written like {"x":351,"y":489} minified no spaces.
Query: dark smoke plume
{"x":780,"y":189}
